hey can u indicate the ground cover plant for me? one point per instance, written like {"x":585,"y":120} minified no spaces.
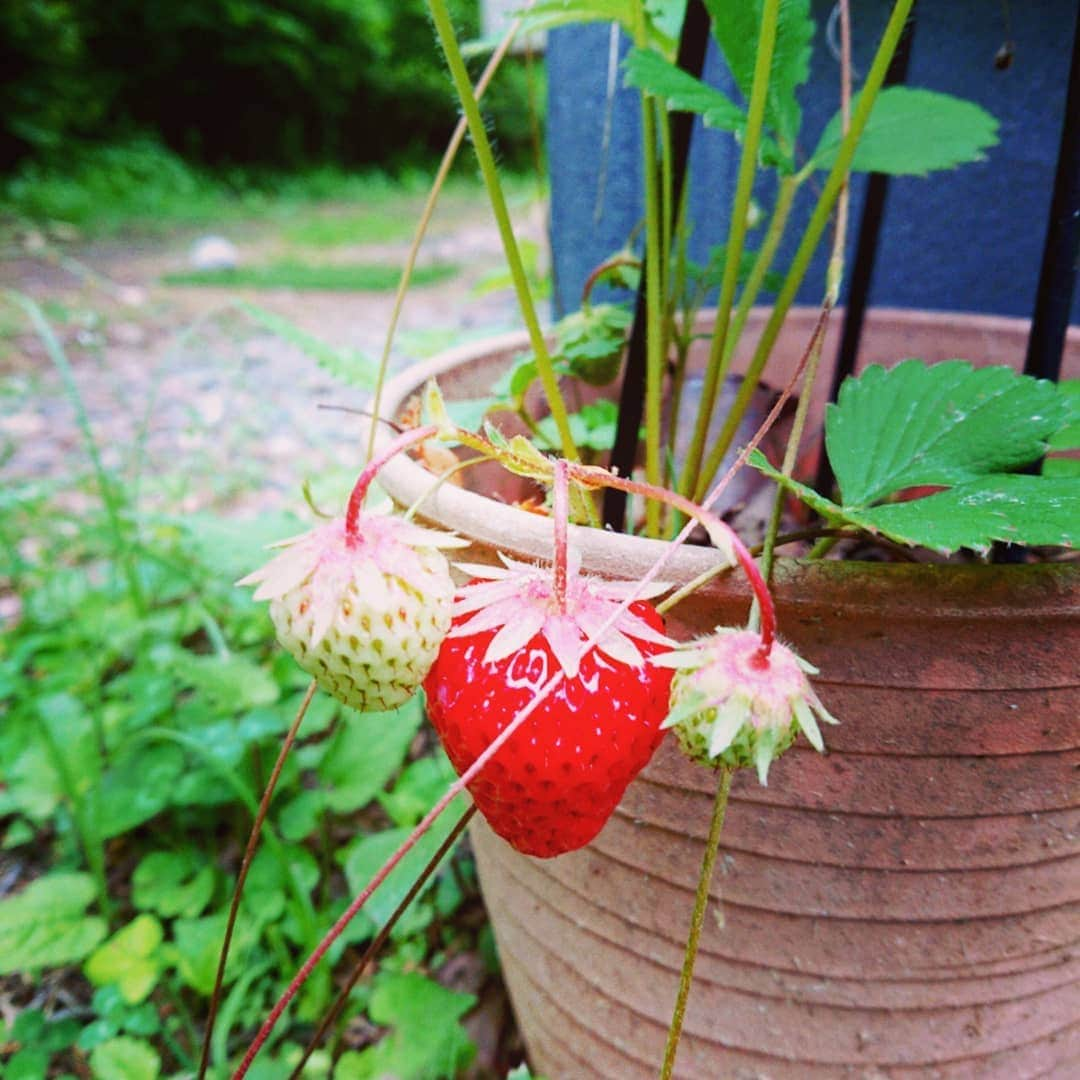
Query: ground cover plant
{"x":143,"y":703}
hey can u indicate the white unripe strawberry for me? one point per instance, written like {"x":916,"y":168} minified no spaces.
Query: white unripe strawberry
{"x":363,"y":612}
{"x":733,"y":704}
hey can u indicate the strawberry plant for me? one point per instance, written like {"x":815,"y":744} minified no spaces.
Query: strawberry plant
{"x":925,"y":457}
{"x":551,"y":691}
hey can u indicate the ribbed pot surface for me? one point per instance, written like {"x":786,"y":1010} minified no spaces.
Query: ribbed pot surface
{"x":907,"y":905}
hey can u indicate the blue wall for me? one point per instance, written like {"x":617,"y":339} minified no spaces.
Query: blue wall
{"x":969,"y":239}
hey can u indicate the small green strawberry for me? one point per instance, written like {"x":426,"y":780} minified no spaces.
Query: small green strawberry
{"x":732,"y":704}
{"x":364,"y":612}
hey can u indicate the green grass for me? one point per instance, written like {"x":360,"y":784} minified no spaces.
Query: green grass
{"x":361,"y":227}
{"x":144,"y":698}
{"x":139,"y":187}
{"x":291,"y":274}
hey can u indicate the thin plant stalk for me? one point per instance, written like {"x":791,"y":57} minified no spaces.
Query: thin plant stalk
{"x":785,"y":198}
{"x":360,"y":488}
{"x":834,"y":277}
{"x":376,"y":944}
{"x":819,"y":219}
{"x":654,"y":288}
{"x":111,"y":500}
{"x":560,"y":513}
{"x":449,"y":155}
{"x":485,"y":157}
{"x":245,"y":866}
{"x":744,"y":189}
{"x":766,"y":425}
{"x":697,"y":921}
{"x":719,"y":531}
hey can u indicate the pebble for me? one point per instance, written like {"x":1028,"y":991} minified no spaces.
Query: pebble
{"x":213,"y":253}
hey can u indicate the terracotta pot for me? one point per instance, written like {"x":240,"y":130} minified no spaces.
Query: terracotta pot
{"x":907,"y":905}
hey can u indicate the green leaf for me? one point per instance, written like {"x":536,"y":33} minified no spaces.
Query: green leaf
{"x":1018,"y":509}
{"x":129,"y":959}
{"x":418,"y":789}
{"x":469,"y":414}
{"x":513,"y":385}
{"x":1066,"y":440}
{"x":30,"y":1063}
{"x":125,"y":1058}
{"x":666,"y":16}
{"x":198,"y":946}
{"x":365,"y":855}
{"x":233,"y":547}
{"x":592,"y":428}
{"x":299,"y":817}
{"x":682,"y":92}
{"x":136,"y":788}
{"x":367,"y":750}
{"x":434,"y":407}
{"x":551,"y":14}
{"x":228,"y":683}
{"x":737,"y":27}
{"x":276,"y":875}
{"x":913,"y":132}
{"x":346,"y":364}
{"x":35,"y":774}
{"x":1061,"y":467}
{"x":427,"y":1041}
{"x":173,"y":883}
{"x":711,"y":274}
{"x":1031,"y":510}
{"x":940,"y":425}
{"x":46,"y":925}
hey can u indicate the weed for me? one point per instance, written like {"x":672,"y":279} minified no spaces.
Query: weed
{"x":142,"y":704}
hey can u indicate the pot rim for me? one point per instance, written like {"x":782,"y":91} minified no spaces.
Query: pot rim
{"x":916,"y":587}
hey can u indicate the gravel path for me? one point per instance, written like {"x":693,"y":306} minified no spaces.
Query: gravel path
{"x":230,"y":410}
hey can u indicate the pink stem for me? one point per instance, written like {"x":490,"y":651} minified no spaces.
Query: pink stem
{"x":350,"y":912}
{"x":560,"y":513}
{"x":596,"y":477}
{"x":395,"y":446}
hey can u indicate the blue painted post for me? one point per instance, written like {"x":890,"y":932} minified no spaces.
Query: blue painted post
{"x":969,"y":240}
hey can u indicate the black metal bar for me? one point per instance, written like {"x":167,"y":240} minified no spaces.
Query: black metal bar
{"x":862,"y":271}
{"x":693,"y":43}
{"x":1057,"y":275}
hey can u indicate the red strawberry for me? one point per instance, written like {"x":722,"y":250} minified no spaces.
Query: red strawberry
{"x":553,"y":786}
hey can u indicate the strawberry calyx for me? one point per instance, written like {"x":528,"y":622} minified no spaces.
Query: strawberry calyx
{"x":380,"y":548}
{"x":520,"y":600}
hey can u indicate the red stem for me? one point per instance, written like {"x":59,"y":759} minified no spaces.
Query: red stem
{"x":560,"y":513}
{"x":245,"y":866}
{"x":593,"y":476}
{"x":395,"y":446}
{"x":379,"y":940}
{"x":407,"y":845}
